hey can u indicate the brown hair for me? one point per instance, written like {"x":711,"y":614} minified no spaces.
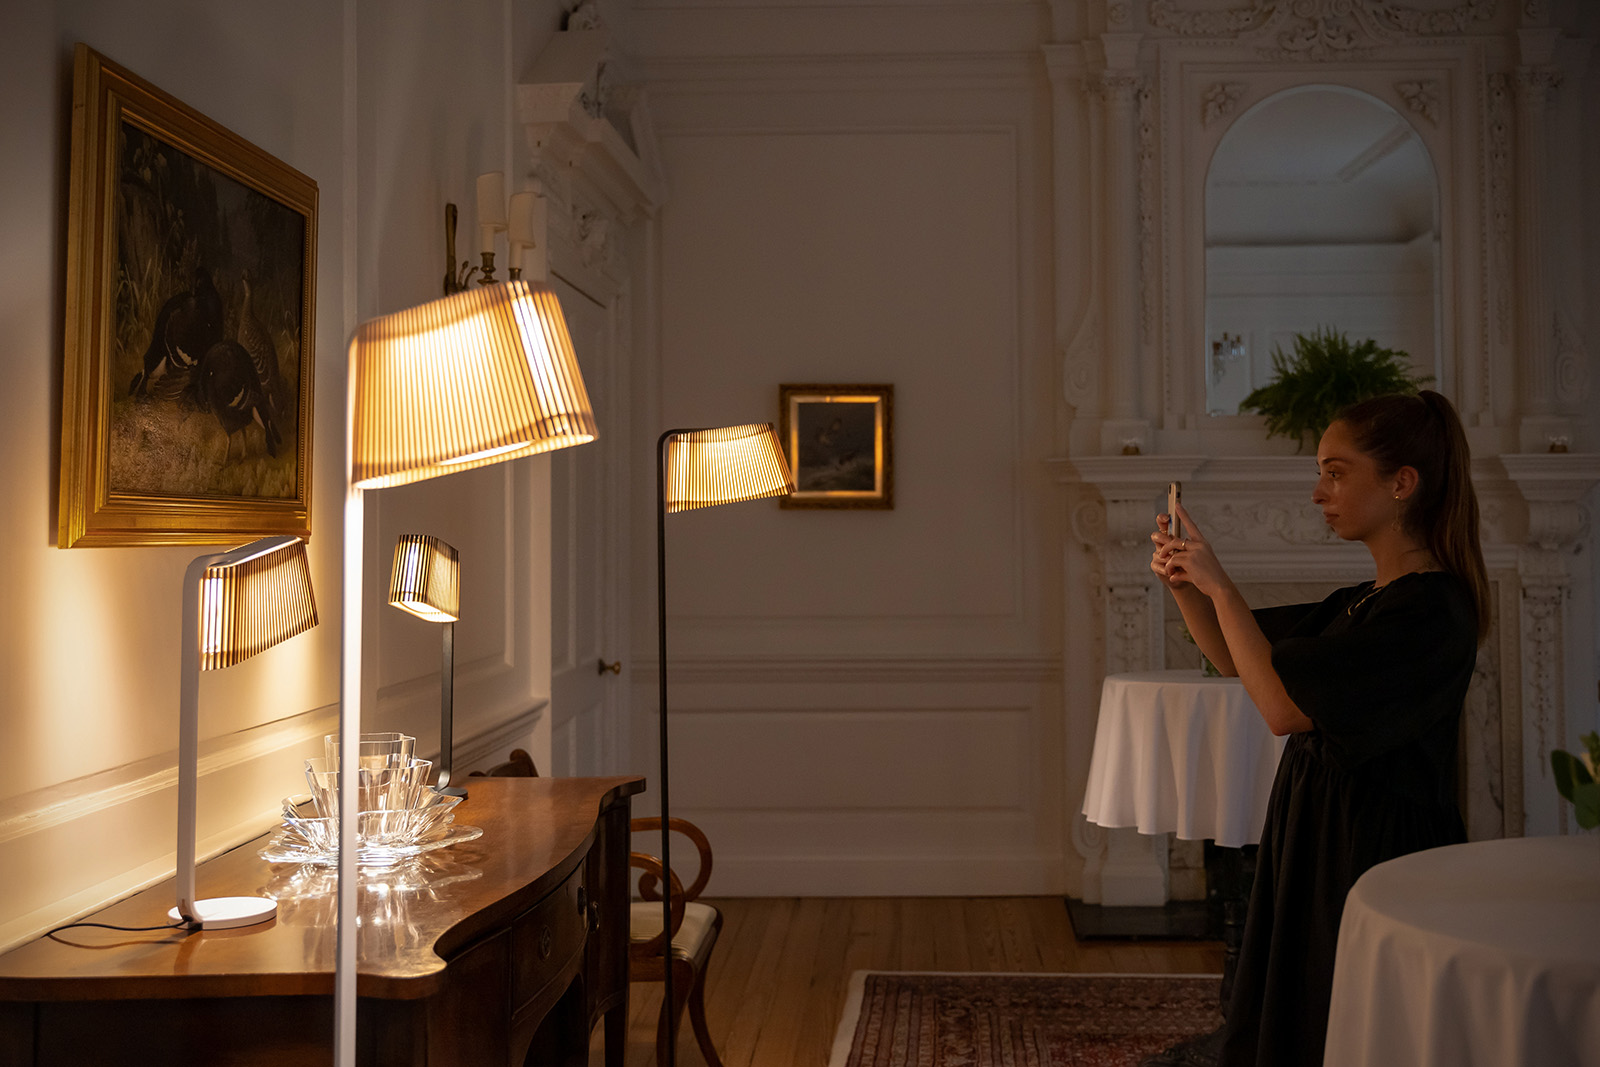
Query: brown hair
{"x":1423,"y":432}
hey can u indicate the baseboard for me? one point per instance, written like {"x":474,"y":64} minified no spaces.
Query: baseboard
{"x":889,"y":876}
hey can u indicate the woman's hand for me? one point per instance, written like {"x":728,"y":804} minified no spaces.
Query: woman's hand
{"x":1188,"y":559}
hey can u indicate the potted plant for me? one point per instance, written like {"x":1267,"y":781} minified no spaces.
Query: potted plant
{"x":1327,"y":372}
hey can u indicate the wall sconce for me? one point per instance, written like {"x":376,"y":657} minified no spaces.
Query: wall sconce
{"x":1224,"y":353}
{"x":525,"y":224}
{"x":427,"y":583}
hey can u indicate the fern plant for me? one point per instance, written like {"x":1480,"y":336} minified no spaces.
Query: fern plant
{"x":1326,"y":373}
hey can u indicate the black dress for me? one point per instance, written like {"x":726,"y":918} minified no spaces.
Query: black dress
{"x":1382,"y":678}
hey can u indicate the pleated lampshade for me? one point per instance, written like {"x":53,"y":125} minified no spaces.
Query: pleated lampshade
{"x":724,"y":466}
{"x":252,"y":598}
{"x":427,"y":578}
{"x":484,"y":375}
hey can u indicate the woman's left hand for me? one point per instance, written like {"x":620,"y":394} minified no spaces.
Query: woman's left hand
{"x":1190,"y":558}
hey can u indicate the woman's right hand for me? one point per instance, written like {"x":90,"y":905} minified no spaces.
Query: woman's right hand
{"x":1158,"y":559}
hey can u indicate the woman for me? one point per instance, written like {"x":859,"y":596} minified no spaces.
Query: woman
{"x":1369,"y":685}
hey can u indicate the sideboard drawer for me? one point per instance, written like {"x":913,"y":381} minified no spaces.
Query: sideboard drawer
{"x":546,"y":938}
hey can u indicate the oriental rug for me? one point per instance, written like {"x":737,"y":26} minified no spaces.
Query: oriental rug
{"x":1019,"y":1020}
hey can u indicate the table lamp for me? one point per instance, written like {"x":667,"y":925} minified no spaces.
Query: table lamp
{"x":426,"y":582}
{"x":235,"y":604}
{"x":474,"y":378}
{"x":699,"y":469}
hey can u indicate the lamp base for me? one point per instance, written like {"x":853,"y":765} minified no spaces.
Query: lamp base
{"x":451,"y":790}
{"x":224,"y":913}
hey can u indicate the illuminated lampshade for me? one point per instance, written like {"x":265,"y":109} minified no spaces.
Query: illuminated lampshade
{"x":252,"y":598}
{"x":427,"y":578}
{"x":724,"y":466}
{"x":484,"y":375}
{"x":235,"y":604}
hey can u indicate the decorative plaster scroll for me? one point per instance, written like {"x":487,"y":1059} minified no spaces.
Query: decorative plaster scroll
{"x":1398,"y":18}
{"x":1421,"y":97}
{"x":1229,"y":22}
{"x":1543,"y":593}
{"x":1572,"y":362}
{"x":1484,"y":811}
{"x":1536,"y":85}
{"x":1117,"y":13}
{"x":1080,"y":371}
{"x":1089,"y":840}
{"x":1295,"y":524}
{"x":1128,"y":629}
{"x":1120,"y":85}
{"x":594,"y":237}
{"x":1220,"y":101}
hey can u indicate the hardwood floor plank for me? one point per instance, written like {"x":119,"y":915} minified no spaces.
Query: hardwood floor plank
{"x":781,"y":968}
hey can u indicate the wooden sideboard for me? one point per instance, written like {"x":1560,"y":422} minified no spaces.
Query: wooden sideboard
{"x":504,"y":950}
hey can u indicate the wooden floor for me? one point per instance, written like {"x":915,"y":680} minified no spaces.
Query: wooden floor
{"x":781,"y":967}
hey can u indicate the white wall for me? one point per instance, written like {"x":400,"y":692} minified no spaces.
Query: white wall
{"x":390,"y":109}
{"x":863,"y":701}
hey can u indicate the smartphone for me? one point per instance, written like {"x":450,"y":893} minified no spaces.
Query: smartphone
{"x":1174,"y":494}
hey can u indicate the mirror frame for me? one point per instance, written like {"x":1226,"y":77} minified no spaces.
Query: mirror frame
{"x":1442,"y":92}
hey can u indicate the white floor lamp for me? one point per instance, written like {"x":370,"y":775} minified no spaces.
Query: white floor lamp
{"x":235,"y":604}
{"x":484,"y":375}
{"x":700,"y":469}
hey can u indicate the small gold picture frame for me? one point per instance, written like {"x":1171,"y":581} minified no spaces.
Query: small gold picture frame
{"x":191,"y":279}
{"x":839,"y":440}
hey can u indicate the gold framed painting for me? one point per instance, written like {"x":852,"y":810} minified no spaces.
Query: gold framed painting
{"x":191,"y":277}
{"x":839,"y":440}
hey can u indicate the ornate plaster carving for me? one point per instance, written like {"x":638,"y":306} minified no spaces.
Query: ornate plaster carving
{"x":1080,"y":379}
{"x":1319,"y":29}
{"x":1220,"y":101}
{"x":1117,"y":13}
{"x":1501,"y":211}
{"x":1149,"y":197}
{"x":1421,"y":97}
{"x":1291,"y":523}
{"x":1536,"y":85}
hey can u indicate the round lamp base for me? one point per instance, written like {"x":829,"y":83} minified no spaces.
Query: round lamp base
{"x":223,"y":913}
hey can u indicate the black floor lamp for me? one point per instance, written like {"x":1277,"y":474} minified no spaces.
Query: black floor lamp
{"x":699,"y":469}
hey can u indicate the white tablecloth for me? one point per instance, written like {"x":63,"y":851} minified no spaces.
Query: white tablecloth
{"x":1177,"y":751}
{"x":1480,"y":954}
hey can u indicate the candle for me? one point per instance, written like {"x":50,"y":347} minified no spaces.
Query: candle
{"x":491,"y":208}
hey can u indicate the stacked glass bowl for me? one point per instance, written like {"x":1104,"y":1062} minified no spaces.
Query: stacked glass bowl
{"x":398,"y":814}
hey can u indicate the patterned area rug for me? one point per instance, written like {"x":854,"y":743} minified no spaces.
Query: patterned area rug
{"x":1019,"y":1020}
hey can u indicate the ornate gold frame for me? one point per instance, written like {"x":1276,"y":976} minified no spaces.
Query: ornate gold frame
{"x":92,"y":511}
{"x":881,"y":398}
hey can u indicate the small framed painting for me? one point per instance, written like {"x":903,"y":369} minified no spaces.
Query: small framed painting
{"x":191,"y":271}
{"x":840,"y":443}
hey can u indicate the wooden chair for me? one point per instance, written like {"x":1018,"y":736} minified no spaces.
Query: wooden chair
{"x":520,"y":765}
{"x":695,"y":926}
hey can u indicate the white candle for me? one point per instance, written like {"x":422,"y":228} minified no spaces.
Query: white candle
{"x":491,"y":208}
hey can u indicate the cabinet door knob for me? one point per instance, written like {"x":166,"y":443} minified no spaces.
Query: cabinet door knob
{"x":601,"y":666}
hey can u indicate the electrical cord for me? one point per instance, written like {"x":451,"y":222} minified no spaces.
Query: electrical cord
{"x":181,"y":924}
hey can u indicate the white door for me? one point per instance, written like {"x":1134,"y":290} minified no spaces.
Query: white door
{"x":587,"y":523}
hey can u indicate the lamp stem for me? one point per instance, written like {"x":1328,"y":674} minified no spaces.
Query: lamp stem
{"x":189,"y":735}
{"x":344,"y":959}
{"x":447,"y":703}
{"x":666,"y":833}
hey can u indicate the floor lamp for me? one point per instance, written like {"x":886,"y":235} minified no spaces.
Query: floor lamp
{"x":478,"y":377}
{"x":235,"y":604}
{"x":426,"y":581}
{"x":699,"y":469}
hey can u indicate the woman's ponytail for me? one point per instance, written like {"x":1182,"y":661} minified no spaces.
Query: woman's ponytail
{"x":1425,"y":433}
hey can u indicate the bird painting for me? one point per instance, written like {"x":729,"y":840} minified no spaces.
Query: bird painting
{"x":255,"y":339}
{"x":232,"y":391}
{"x":186,"y":327}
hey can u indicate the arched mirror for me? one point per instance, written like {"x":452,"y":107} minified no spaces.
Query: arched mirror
{"x":1321,"y":211}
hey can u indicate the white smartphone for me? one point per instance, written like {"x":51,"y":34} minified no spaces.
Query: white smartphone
{"x":1174,"y":494}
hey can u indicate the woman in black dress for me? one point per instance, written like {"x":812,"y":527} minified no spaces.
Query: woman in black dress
{"x":1369,"y":686}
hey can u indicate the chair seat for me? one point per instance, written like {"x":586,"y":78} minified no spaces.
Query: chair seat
{"x":644,"y":922}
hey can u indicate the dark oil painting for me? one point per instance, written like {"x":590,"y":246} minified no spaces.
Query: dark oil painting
{"x":205,"y":334}
{"x":837,"y":446}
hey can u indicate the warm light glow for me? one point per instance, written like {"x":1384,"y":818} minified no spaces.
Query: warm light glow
{"x":724,"y":466}
{"x":252,"y":598}
{"x":427,"y":578}
{"x":478,"y":377}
